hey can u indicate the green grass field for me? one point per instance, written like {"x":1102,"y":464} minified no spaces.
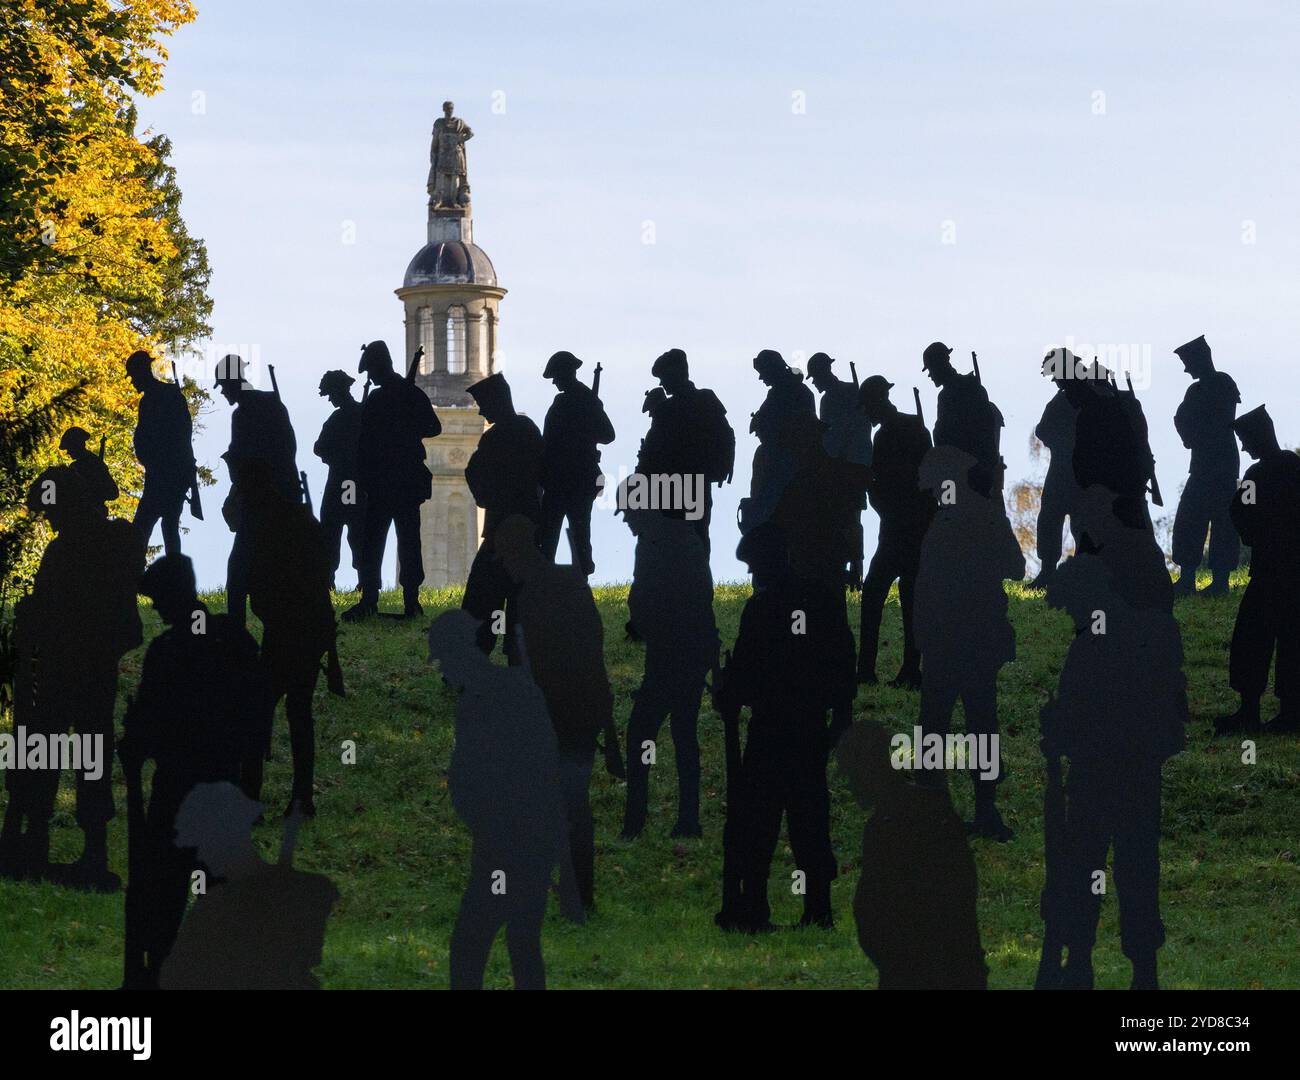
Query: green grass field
{"x":388,"y":838}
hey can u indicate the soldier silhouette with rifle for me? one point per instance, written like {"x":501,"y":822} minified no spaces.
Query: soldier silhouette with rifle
{"x":392,"y":476}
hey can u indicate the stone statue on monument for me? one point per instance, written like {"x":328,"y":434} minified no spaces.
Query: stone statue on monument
{"x":448,"y":179}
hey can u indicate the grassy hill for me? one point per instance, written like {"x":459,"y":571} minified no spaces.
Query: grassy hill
{"x":387,"y":836}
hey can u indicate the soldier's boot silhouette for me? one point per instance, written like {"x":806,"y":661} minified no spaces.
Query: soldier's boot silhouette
{"x":1244,"y":720}
{"x":988,"y":818}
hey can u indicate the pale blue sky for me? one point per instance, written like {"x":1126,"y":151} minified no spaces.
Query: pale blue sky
{"x":798,"y":231}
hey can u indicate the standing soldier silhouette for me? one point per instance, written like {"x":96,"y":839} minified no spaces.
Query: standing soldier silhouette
{"x":393,"y":478}
{"x":689,"y":435}
{"x":163,"y":443}
{"x":848,"y":433}
{"x":671,"y":606}
{"x":341,"y":504}
{"x":564,"y":647}
{"x":260,"y":431}
{"x":787,"y":666}
{"x":966,"y":418}
{"x":960,"y":612}
{"x":505,"y":786}
{"x":1060,"y":493}
{"x":70,"y":634}
{"x":200,"y":713}
{"x":100,"y":485}
{"x":288,"y":589}
{"x":576,"y":427}
{"x":1110,"y":444}
{"x":1266,"y":513}
{"x":1204,"y":423}
{"x":905,"y":512}
{"x":788,"y":399}
{"x":1118,"y":714}
{"x":503,"y":475}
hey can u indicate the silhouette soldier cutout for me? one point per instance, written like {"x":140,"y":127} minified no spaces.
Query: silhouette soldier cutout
{"x":201,"y":713}
{"x":564,"y":642}
{"x":1110,"y":443}
{"x":905,"y":512}
{"x":503,"y":475}
{"x":915,"y":905}
{"x":576,"y":427}
{"x":393,"y":477}
{"x":99,"y":482}
{"x":70,"y":633}
{"x":817,"y":515}
{"x":966,"y":418}
{"x":671,"y":606}
{"x":505,"y":785}
{"x":1204,"y":423}
{"x":960,"y":613}
{"x":341,"y":506}
{"x":163,"y":444}
{"x":848,"y":434}
{"x":788,"y":399}
{"x":260,"y":431}
{"x":785,"y":667}
{"x":288,"y":587}
{"x":1118,"y":714}
{"x":689,"y":435}
{"x":1056,"y":431}
{"x":259,"y":925}
{"x":1266,"y":514}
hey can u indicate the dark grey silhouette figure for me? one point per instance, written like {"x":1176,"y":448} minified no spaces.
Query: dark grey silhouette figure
{"x":1138,"y":571}
{"x":393,"y":477}
{"x":99,"y":482}
{"x":689,"y":435}
{"x":787,"y":667}
{"x":966,"y":418}
{"x":504,"y":476}
{"x":915,"y":904}
{"x":259,"y":925}
{"x":69,"y":635}
{"x":260,"y":431}
{"x":288,"y":587}
{"x":575,"y":428}
{"x":564,"y":646}
{"x":506,"y":788}
{"x":905,"y":512}
{"x":788,"y":400}
{"x":1266,"y":514}
{"x":1118,"y":714}
{"x":1060,"y":493}
{"x":671,"y":606}
{"x":201,"y":712}
{"x":960,"y":611}
{"x":848,"y":435}
{"x":342,"y":506}
{"x":164,"y":435}
{"x":1204,"y":423}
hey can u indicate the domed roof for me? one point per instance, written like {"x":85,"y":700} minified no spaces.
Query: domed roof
{"x":450,"y":262}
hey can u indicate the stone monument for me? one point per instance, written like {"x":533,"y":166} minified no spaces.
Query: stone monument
{"x":450,"y":295}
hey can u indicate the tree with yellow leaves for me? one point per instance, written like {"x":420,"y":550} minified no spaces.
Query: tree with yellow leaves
{"x":95,"y":259}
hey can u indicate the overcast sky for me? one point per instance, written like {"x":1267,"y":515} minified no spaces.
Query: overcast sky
{"x":858,"y":178}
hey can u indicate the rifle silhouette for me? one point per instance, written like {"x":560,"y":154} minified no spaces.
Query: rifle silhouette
{"x":275,"y":386}
{"x":975,"y":363}
{"x":595,"y":379}
{"x":306,"y":491}
{"x":853,"y":371}
{"x":415,"y":365}
{"x":192,"y":497}
{"x":916,"y":396}
{"x":1156,"y":497}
